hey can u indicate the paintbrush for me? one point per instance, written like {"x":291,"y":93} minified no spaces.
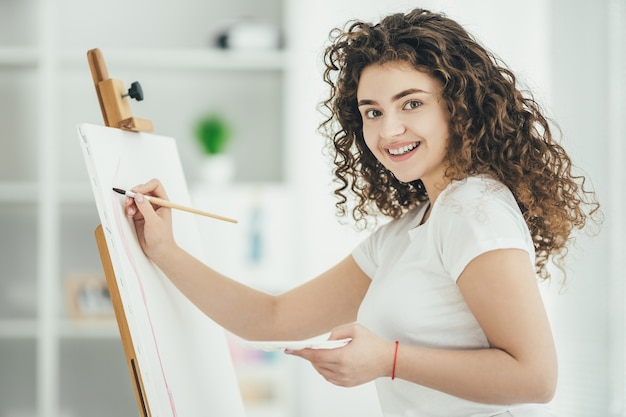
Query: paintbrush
{"x":169,"y":204}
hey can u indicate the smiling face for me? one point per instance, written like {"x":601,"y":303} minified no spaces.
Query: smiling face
{"x":405,"y":122}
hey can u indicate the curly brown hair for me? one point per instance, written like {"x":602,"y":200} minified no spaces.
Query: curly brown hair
{"x":495,"y":129}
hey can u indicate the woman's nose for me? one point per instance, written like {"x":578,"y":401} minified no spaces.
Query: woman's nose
{"x":392,"y":126}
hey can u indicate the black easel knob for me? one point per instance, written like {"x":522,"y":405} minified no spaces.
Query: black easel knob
{"x":135,"y":91}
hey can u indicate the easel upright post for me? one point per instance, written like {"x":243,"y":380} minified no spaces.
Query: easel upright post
{"x":116,"y":112}
{"x":122,"y":323}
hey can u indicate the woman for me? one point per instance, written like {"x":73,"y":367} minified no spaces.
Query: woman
{"x":441,"y":303}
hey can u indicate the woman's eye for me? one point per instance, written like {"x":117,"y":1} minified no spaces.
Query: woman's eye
{"x":413,"y":104}
{"x":371,"y":113}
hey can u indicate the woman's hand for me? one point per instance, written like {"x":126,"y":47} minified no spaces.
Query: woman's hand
{"x":364,"y":359}
{"x":153,"y":224}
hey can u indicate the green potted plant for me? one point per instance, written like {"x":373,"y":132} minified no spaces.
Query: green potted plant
{"x":213,"y":134}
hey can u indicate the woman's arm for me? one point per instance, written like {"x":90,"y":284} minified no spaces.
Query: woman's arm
{"x":311,"y":309}
{"x":308,"y":310}
{"x":519,"y":367}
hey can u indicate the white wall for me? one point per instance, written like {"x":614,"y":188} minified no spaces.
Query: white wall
{"x":585,"y":314}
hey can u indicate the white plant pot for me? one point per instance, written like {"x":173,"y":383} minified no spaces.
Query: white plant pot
{"x":217,"y":169}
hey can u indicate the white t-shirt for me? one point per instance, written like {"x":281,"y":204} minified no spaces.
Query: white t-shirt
{"x":414,"y":298}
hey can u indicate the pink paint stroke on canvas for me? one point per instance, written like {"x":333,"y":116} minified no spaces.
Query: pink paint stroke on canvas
{"x":120,"y":229}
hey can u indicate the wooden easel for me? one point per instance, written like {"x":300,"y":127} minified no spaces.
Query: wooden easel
{"x":113,"y":97}
{"x":115,"y":106}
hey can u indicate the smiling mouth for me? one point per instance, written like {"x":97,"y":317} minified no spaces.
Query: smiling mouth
{"x":403,"y":150}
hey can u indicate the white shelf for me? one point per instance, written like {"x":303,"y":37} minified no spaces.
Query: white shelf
{"x":155,"y":58}
{"x":18,"y":329}
{"x":26,"y":192}
{"x":89,"y":329}
{"x":184,"y":59}
{"x":68,"y":329}
{"x":76,"y":194}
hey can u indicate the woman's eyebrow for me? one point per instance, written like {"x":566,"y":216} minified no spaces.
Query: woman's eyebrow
{"x":407,"y":92}
{"x":366,"y":102}
{"x":401,"y":94}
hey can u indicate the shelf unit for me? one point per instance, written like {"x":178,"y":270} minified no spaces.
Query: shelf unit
{"x":52,"y":365}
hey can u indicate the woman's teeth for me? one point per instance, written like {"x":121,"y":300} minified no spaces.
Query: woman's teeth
{"x":404,"y":149}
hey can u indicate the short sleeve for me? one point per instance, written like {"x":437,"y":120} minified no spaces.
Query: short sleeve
{"x":471,"y":224}
{"x":387,"y":240}
{"x":365,"y":253}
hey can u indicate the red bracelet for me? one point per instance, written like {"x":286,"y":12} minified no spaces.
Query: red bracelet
{"x":395,"y":360}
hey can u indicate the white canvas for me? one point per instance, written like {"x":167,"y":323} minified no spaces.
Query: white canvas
{"x":182,"y":355}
